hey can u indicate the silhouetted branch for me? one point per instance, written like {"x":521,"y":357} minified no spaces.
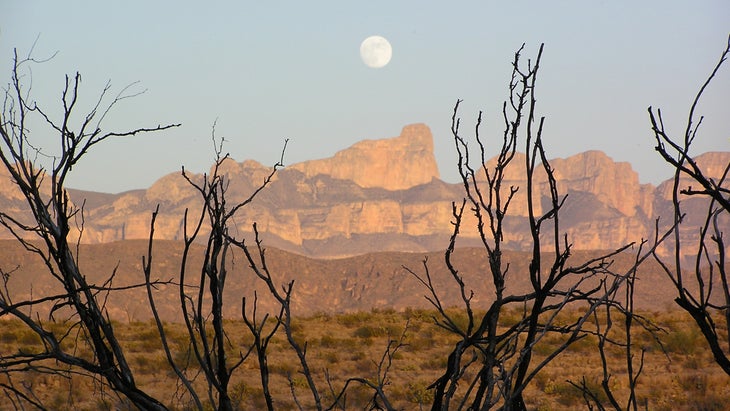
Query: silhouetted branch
{"x":380,"y":399}
{"x":501,"y":355}
{"x":55,"y":218}
{"x":698,"y":304}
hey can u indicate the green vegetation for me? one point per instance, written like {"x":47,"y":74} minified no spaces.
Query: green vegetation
{"x":675,"y":376}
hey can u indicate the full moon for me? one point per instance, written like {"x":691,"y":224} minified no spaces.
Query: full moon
{"x":375,"y":51}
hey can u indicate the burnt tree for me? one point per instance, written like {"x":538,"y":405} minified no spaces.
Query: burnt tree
{"x":701,"y":283}
{"x":53,"y":235}
{"x":493,"y":360}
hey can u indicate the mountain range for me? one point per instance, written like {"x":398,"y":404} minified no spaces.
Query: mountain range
{"x":345,"y":227}
{"x":386,"y":195}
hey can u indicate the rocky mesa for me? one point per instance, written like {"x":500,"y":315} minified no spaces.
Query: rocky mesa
{"x":385,"y":195}
{"x":398,"y":163}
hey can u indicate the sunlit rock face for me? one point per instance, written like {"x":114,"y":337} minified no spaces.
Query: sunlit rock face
{"x":386,"y":195}
{"x":713,"y":166}
{"x":393,"y":164}
{"x":614,"y":184}
{"x":695,"y":207}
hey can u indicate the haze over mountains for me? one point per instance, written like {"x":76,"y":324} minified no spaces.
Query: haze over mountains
{"x":386,"y":195}
{"x":378,"y":196}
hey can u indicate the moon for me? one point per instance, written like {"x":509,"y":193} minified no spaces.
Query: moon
{"x":375,"y":51}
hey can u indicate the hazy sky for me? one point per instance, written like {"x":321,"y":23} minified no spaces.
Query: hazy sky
{"x":274,"y":70}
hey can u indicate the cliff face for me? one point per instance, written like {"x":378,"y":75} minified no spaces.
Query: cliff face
{"x":614,"y":184}
{"x":385,"y":195}
{"x":393,"y":164}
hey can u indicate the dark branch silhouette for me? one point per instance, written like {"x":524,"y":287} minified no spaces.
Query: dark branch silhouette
{"x":50,"y":236}
{"x":697,"y":286}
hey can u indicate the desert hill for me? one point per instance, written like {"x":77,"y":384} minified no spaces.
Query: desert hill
{"x":386,"y":195}
{"x":359,"y":283}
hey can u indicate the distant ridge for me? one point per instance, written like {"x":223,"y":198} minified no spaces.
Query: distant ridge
{"x":360,"y":283}
{"x":386,"y":195}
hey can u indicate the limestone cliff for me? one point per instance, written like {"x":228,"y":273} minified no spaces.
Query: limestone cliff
{"x":385,"y":194}
{"x":713,"y":166}
{"x":614,"y":184}
{"x":394,"y":164}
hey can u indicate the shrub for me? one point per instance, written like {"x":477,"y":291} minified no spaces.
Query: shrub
{"x":331,"y":357}
{"x":417,"y":392}
{"x":353,"y":319}
{"x":328,"y":341}
{"x":683,"y":342}
{"x":369,"y":331}
{"x":284,"y":368}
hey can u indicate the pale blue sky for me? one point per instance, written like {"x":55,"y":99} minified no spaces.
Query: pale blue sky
{"x":274,"y":70}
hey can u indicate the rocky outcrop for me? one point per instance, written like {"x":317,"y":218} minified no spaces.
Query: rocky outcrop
{"x":614,"y":184}
{"x":713,"y":166}
{"x":385,"y":195}
{"x":393,"y":164}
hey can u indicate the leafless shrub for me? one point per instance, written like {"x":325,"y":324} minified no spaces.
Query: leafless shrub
{"x":702,"y":289}
{"x":492,"y":363}
{"x":53,"y":235}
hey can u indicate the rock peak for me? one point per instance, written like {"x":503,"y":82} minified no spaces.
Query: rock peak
{"x":395,"y":163}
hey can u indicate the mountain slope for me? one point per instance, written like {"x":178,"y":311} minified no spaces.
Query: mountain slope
{"x":359,"y":283}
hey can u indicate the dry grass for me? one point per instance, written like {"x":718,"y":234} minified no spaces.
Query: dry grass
{"x":682,"y":378}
